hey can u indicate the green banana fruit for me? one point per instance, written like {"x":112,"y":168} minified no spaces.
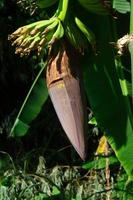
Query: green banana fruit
{"x":94,"y":6}
{"x":74,"y":34}
{"x":50,"y":27}
{"x":27,"y":38}
{"x":86,"y":31}
{"x":38,"y":35}
{"x":58,"y":33}
{"x":45,"y":3}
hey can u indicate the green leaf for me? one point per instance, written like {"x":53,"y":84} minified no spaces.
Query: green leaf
{"x":45,"y":3}
{"x":93,"y":121}
{"x":55,"y":191}
{"x":31,"y":106}
{"x":100,"y":163}
{"x":41,"y":196}
{"x":122,"y":6}
{"x":110,"y":107}
{"x":20,"y":128}
{"x":96,"y":7}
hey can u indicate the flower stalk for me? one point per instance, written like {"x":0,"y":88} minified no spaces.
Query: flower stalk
{"x":63,"y":7}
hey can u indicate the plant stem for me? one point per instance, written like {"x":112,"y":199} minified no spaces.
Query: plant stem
{"x":63,"y":7}
{"x":131,"y":18}
{"x":130,"y":45}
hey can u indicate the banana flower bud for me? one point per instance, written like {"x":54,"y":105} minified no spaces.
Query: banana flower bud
{"x":63,"y":78}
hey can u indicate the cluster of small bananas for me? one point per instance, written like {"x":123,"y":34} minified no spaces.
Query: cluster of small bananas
{"x":36,"y":36}
{"x":42,"y":34}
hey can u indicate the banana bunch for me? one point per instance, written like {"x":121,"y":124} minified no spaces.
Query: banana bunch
{"x":40,"y":34}
{"x":36,"y":35}
{"x":100,"y":7}
{"x":79,"y":34}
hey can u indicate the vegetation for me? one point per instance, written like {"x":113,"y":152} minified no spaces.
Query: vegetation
{"x":93,"y":43}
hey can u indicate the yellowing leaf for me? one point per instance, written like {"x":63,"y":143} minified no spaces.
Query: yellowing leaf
{"x":101,"y":149}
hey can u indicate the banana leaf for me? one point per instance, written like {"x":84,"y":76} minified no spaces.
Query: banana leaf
{"x":45,"y":3}
{"x":109,"y":104}
{"x":122,"y":6}
{"x":31,"y":106}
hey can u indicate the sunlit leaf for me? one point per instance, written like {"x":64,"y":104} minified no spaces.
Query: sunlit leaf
{"x":102,"y":146}
{"x":93,"y":121}
{"x":122,"y":6}
{"x":55,"y":191}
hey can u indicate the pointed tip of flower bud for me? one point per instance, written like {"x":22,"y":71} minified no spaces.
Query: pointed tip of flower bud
{"x":81,"y":150}
{"x":82,"y":155}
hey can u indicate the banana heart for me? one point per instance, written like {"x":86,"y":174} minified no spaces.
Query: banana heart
{"x":64,"y":85}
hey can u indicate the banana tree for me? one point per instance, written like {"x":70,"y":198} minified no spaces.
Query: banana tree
{"x":77,"y":39}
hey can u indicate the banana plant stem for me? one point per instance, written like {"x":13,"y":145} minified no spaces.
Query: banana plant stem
{"x":63,"y":7}
{"x":131,"y":18}
{"x":130,"y":46}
